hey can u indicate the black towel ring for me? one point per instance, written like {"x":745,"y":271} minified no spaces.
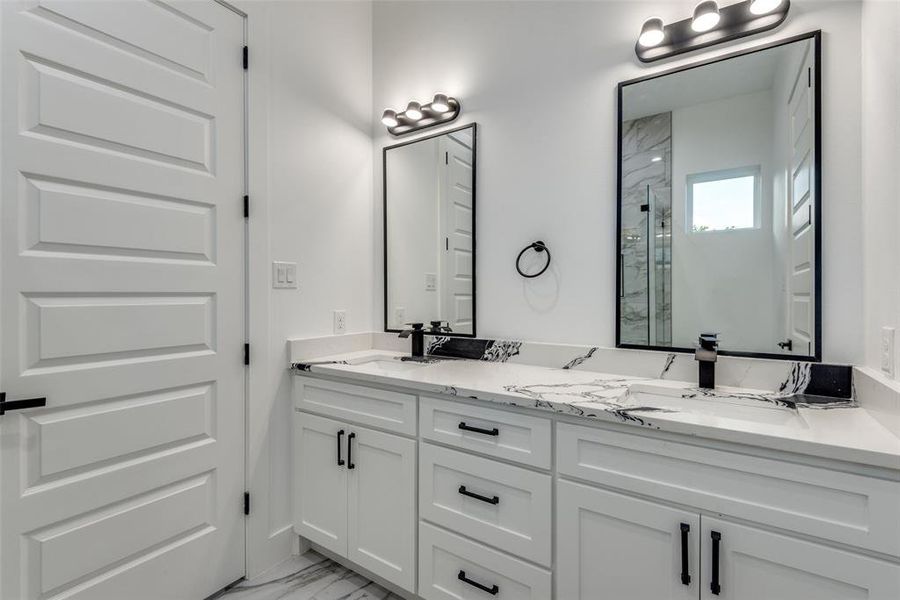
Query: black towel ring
{"x":537,"y":246}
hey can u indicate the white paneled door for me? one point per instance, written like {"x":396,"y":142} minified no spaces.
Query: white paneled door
{"x":457,"y":232}
{"x":122,"y":299}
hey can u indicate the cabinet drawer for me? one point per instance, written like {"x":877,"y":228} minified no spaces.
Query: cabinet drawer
{"x":498,"y":504}
{"x":852,"y":509}
{"x":517,"y":437}
{"x":445,"y":558}
{"x":388,"y":410}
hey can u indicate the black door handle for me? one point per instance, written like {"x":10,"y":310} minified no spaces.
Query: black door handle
{"x":465,"y":492}
{"x":7,"y":405}
{"x":350,"y":464}
{"x":714,"y":586}
{"x":340,"y":460}
{"x":787,"y":345}
{"x":493,"y":590}
{"x":685,"y":568}
{"x":493,"y":431}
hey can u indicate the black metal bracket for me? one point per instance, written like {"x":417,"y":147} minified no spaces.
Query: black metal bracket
{"x":7,"y":405}
{"x":736,"y":21}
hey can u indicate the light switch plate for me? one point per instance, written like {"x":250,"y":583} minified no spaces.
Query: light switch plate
{"x":887,"y":350}
{"x":399,"y":316}
{"x":284,"y":275}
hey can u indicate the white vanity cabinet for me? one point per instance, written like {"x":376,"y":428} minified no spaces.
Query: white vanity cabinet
{"x":355,"y":493}
{"x":453,"y":499}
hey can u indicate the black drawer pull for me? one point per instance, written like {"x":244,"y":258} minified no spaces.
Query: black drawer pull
{"x":493,"y":590}
{"x":685,"y":568}
{"x":493,"y":431}
{"x":340,"y":460}
{"x":714,"y":586}
{"x":6,"y":405}
{"x":350,"y":464}
{"x":465,"y":492}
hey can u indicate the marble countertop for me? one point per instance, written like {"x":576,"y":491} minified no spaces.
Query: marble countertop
{"x":835,"y":429}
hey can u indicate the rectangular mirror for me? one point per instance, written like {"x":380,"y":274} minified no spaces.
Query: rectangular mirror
{"x":429,"y":232}
{"x":719,"y":204}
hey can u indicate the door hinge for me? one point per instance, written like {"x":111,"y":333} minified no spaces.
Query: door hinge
{"x":246,"y":207}
{"x":246,"y":57}
{"x":809,"y":77}
{"x":446,"y":158}
{"x":246,"y":503}
{"x":247,"y":354}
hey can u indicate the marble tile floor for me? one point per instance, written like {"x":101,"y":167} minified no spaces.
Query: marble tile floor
{"x":308,"y":577}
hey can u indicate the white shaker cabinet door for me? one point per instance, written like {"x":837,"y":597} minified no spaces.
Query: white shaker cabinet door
{"x":744,"y":563}
{"x":320,"y":481}
{"x":382,"y":517}
{"x":611,"y":546}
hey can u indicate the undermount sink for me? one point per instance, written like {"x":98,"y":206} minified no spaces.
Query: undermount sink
{"x":389,"y":364}
{"x":737,"y":406}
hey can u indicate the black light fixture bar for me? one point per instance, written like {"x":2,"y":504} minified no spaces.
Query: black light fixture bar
{"x":430,"y":116}
{"x":736,"y":21}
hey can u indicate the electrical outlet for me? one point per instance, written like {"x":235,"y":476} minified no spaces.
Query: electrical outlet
{"x":284,"y":274}
{"x":399,"y":316}
{"x":887,"y":350}
{"x":340,"y":322}
{"x":430,"y":282}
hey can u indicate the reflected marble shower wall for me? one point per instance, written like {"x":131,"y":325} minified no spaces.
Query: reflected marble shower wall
{"x":646,"y":293}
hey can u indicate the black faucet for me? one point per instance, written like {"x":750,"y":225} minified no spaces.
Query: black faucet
{"x":417,"y":332}
{"x":706,"y":354}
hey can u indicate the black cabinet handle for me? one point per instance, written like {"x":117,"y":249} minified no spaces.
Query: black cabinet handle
{"x":493,"y":590}
{"x":465,"y":492}
{"x":340,"y":460}
{"x":7,"y":405}
{"x":714,"y":586}
{"x":493,"y":431}
{"x":350,"y":464}
{"x":685,"y":568}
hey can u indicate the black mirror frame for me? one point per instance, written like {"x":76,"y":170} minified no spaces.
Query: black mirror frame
{"x":384,"y":252}
{"x":816,"y":36}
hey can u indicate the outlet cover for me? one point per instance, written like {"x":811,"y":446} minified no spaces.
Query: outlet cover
{"x":284,"y":275}
{"x":887,"y":350}
{"x":430,"y":282}
{"x":340,"y":322}
{"x":399,"y":316}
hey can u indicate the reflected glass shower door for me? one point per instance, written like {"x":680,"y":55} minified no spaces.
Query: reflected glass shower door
{"x":658,"y":224}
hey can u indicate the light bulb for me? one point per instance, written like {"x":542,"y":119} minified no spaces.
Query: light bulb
{"x":440,"y":103}
{"x":656,"y":159}
{"x":706,"y":16}
{"x":651,"y":33}
{"x":761,"y":7}
{"x":414,"y":111}
{"x":389,"y":118}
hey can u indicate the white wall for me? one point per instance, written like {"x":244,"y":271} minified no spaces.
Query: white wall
{"x":311,"y":193}
{"x":540,"y":80}
{"x":722,"y":281}
{"x":880,"y":184}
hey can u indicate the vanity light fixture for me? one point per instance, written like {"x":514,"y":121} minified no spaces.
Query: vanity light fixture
{"x":709,"y":25}
{"x":442,"y":109}
{"x":706,"y":16}
{"x":652,"y":33}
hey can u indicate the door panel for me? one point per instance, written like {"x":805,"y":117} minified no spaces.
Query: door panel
{"x":122,"y":299}
{"x":801,"y":313}
{"x":320,"y":481}
{"x":457,"y":231}
{"x":611,"y":546}
{"x":755,"y":564}
{"x":382,"y":518}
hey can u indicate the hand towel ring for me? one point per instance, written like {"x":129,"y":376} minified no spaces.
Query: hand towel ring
{"x":537,"y":246}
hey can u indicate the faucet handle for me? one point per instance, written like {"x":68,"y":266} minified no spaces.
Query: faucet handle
{"x":439,"y":326}
{"x":709,"y":341}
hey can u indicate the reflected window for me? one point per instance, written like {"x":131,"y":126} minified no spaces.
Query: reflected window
{"x":723,"y":200}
